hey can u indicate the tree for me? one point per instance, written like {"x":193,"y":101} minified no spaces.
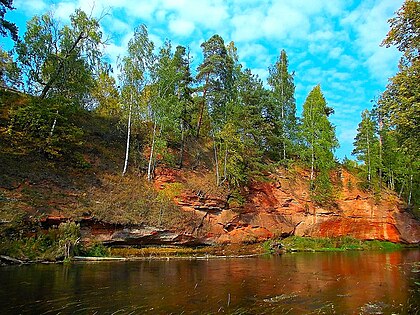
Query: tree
{"x":183,"y":91}
{"x":6,"y":26}
{"x":405,"y":31}
{"x":106,"y":95}
{"x":282,"y":113}
{"x":366,"y":147}
{"x":399,"y":105}
{"x":60,"y":62}
{"x":320,"y":140}
{"x":59,"y":66}
{"x":10,"y":74}
{"x":244,"y":132}
{"x":215,"y":74}
{"x":134,"y":77}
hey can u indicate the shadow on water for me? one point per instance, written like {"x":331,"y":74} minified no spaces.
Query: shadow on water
{"x":300,"y":283}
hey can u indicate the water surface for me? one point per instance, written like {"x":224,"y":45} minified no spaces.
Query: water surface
{"x":300,"y":283}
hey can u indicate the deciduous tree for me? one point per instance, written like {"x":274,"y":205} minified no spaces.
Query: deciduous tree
{"x":319,"y":136}
{"x":282,"y":113}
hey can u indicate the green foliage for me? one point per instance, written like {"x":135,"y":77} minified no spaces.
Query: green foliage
{"x":96,"y":250}
{"x":59,"y":61}
{"x":267,"y":247}
{"x":298,"y":243}
{"x":405,"y":30}
{"x":320,"y":141}
{"x":367,"y":149}
{"x":56,"y":244}
{"x":381,"y":245}
{"x":281,"y":115}
{"x":107,"y":96}
{"x":399,"y":107}
{"x":10,"y":74}
{"x":44,"y":125}
{"x":6,"y":26}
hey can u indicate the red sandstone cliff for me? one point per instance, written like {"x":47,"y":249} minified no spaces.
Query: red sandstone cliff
{"x":282,"y":206}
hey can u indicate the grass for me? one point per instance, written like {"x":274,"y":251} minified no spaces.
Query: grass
{"x":297,"y":243}
{"x":178,"y":251}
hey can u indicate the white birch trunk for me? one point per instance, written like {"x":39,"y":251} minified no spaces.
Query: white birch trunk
{"x":54,"y":123}
{"x":216,"y":161}
{"x":149,"y":168}
{"x":411,"y":189}
{"x":368,"y":160}
{"x":127,"y":150}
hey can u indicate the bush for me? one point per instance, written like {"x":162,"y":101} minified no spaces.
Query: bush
{"x":340,"y":243}
{"x":96,"y":250}
{"x":56,"y":244}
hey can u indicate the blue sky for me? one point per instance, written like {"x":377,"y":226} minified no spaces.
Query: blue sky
{"x":334,"y":43}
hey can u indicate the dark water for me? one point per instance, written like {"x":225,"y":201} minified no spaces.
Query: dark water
{"x":301,"y":283}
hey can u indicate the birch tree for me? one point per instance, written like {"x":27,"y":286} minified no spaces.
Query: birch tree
{"x":282,"y":114}
{"x":135,"y":75}
{"x":366,"y":148}
{"x":319,"y":136}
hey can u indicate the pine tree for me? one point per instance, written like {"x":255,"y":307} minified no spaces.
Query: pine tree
{"x":216,"y":75}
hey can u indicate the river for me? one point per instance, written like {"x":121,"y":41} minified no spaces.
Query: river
{"x":295,"y":283}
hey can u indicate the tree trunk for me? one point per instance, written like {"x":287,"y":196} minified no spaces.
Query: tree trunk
{"x":60,"y":67}
{"x":411,"y":190}
{"x":54,"y":124}
{"x":200,"y":117}
{"x":149,"y":169}
{"x":312,"y":164}
{"x":401,"y":190}
{"x":216,"y":160}
{"x":225,"y":164}
{"x":282,"y":113}
{"x":127,"y":149}
{"x":368,"y":160}
{"x":181,"y":154}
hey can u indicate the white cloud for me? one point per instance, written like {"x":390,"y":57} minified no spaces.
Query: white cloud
{"x":118,"y":26}
{"x":31,"y":7}
{"x":181,"y":27}
{"x":246,"y":27}
{"x":348,"y":61}
{"x":382,"y":63}
{"x":335,"y":52}
{"x":369,"y":22}
{"x":63,"y":10}
{"x":210,"y":14}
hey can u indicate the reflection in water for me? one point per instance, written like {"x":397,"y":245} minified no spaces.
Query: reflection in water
{"x":301,"y":283}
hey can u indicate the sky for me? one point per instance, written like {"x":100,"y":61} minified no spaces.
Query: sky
{"x":334,"y":43}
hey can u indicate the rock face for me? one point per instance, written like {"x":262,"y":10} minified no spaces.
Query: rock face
{"x":135,"y":235}
{"x":282,"y":207}
{"x":278,"y":207}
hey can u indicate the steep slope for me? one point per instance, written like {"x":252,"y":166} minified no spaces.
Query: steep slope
{"x":180,"y":206}
{"x":282,"y":206}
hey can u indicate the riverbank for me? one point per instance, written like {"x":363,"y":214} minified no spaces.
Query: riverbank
{"x":100,"y":252}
